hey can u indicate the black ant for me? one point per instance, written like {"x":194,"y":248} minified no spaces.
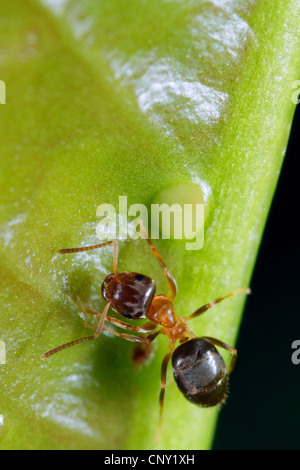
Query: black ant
{"x":199,"y":369}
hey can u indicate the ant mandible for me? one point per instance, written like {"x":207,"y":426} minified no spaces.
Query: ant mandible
{"x":199,"y":369}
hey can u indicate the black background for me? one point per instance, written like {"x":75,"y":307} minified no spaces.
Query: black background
{"x":263,"y":410}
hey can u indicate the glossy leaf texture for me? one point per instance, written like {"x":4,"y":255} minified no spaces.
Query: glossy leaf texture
{"x":107,"y":99}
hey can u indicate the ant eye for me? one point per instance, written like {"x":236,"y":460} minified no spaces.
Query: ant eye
{"x":105,"y":283}
{"x":127,"y":315}
{"x":140,"y":277}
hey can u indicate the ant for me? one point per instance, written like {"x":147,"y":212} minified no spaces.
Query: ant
{"x":199,"y":369}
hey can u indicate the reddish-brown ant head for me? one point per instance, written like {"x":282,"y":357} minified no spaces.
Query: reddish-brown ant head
{"x":130,"y":293}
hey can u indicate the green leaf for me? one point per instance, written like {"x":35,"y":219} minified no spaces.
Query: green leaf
{"x":108,"y":99}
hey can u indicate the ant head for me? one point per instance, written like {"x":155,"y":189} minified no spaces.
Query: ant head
{"x":130,"y":293}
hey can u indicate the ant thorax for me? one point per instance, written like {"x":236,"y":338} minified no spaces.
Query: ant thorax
{"x":162,"y":312}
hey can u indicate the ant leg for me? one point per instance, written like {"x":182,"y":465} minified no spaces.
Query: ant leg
{"x":93,"y":247}
{"x":170,"y":279}
{"x":232,"y":351}
{"x":142,"y":349}
{"x":98,"y":328}
{"x":84,"y":248}
{"x":133,"y":338}
{"x":136,"y":339}
{"x":205,"y":307}
{"x":163,"y":383}
{"x":149,"y":326}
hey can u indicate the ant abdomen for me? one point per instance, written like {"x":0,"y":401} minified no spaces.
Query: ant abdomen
{"x":200,"y":372}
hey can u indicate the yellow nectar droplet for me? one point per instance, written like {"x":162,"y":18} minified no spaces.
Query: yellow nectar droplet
{"x":180,"y":211}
